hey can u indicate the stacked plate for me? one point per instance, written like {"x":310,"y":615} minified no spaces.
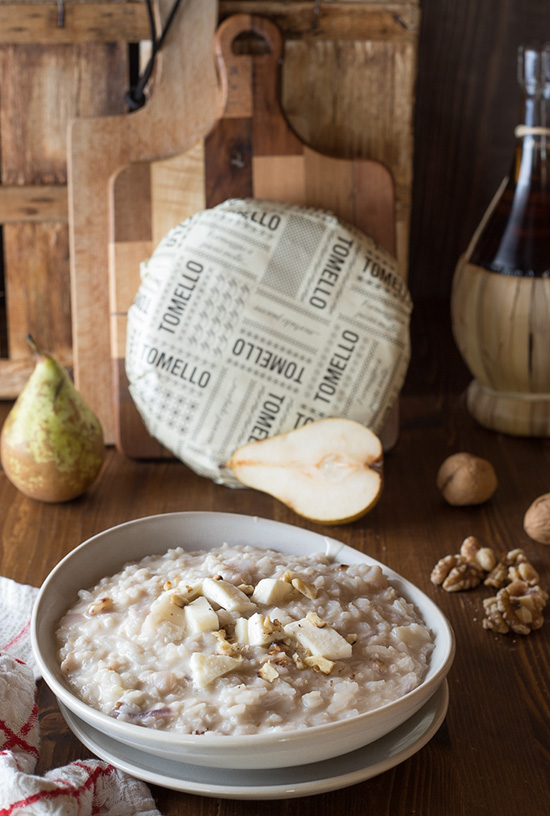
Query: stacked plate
{"x":340,"y":753}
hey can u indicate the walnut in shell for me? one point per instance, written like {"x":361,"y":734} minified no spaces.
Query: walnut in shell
{"x":536,"y":521}
{"x":465,"y":479}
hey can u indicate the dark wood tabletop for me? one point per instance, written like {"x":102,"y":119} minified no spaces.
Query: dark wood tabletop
{"x":492,"y":753}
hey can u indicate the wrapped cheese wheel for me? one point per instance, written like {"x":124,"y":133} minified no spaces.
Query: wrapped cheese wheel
{"x":255,"y":317}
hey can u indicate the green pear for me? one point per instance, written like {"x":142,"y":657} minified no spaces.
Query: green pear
{"x":51,"y":444}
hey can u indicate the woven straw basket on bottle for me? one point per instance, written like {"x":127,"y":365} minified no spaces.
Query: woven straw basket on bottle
{"x":501,"y":325}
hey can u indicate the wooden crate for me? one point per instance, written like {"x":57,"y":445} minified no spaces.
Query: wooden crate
{"x":347,"y":89}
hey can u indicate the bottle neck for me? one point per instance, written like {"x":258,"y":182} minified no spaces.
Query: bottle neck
{"x":514,"y":237}
{"x":536,"y":110}
{"x":532,"y":153}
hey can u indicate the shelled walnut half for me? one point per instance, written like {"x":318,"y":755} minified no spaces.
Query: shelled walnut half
{"x":466,"y":569}
{"x":516,"y":607}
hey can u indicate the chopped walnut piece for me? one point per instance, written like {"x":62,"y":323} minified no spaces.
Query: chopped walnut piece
{"x":486,"y":558}
{"x":177,"y":600}
{"x":224,"y":646}
{"x":498,"y":577}
{"x":516,"y":607}
{"x":515,"y":556}
{"x":519,"y":568}
{"x":463,"y":576}
{"x":443,"y":568}
{"x":512,"y":567}
{"x":101,"y":605}
{"x":298,"y":661}
{"x":305,"y":588}
{"x":248,"y":589}
{"x":494,"y":618}
{"x":472,"y":552}
{"x":526,"y":572}
{"x":268,"y":672}
{"x":277,"y":654}
{"x":321,"y":664}
{"x":469,"y":548}
{"x":351,"y":638}
{"x":314,"y":618}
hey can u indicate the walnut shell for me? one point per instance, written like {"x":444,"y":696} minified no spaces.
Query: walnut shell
{"x":466,"y":479}
{"x":536,"y":521}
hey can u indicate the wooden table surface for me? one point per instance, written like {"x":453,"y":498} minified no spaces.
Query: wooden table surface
{"x":492,"y":753}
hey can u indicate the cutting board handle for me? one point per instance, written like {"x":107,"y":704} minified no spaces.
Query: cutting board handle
{"x":239,"y":73}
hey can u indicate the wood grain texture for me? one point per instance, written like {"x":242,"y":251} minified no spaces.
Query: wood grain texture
{"x":36,"y":202}
{"x":251,"y":152}
{"x":370,"y":20}
{"x":37,"y":23}
{"x":46,"y":88}
{"x":182,"y":107}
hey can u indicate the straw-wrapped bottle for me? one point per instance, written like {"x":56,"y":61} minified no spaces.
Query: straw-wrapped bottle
{"x":500,"y":301}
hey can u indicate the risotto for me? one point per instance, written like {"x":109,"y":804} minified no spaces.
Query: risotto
{"x":241,"y":640}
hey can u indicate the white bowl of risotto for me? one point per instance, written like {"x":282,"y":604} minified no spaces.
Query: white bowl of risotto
{"x":232,"y":641}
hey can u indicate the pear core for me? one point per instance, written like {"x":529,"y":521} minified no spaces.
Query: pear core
{"x":329,"y":470}
{"x":51,"y":444}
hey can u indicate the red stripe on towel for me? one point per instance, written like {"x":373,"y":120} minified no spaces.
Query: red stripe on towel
{"x":68,"y":790}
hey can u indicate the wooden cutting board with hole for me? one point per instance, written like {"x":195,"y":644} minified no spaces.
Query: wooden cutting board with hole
{"x":251,"y":152}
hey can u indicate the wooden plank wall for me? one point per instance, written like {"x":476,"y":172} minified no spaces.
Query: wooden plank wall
{"x":43,"y":86}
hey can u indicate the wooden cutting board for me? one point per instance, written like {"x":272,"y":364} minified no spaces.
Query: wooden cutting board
{"x":250,"y":152}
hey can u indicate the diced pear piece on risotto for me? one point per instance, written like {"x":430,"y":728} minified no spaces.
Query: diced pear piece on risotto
{"x":241,"y":631}
{"x":257,"y":630}
{"x":320,"y":641}
{"x":188,"y":592}
{"x":200,"y":617}
{"x":329,"y":470}
{"x":411,"y":635}
{"x":271,"y":591}
{"x":164,"y":608}
{"x":226,"y":595}
{"x":205,"y":668}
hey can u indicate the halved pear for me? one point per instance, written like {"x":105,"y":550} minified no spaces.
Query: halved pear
{"x":329,"y":471}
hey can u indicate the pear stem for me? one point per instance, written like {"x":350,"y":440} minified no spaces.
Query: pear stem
{"x":32,"y":344}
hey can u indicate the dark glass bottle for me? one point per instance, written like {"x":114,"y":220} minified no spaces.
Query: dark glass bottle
{"x":515,"y":238}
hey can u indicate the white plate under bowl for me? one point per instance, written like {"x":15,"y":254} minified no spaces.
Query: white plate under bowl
{"x":279,"y":783}
{"x":107,"y":552}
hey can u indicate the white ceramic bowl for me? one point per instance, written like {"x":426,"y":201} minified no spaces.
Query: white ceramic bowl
{"x":107,"y":552}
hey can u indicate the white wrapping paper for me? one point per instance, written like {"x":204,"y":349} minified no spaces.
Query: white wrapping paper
{"x":255,"y":317}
